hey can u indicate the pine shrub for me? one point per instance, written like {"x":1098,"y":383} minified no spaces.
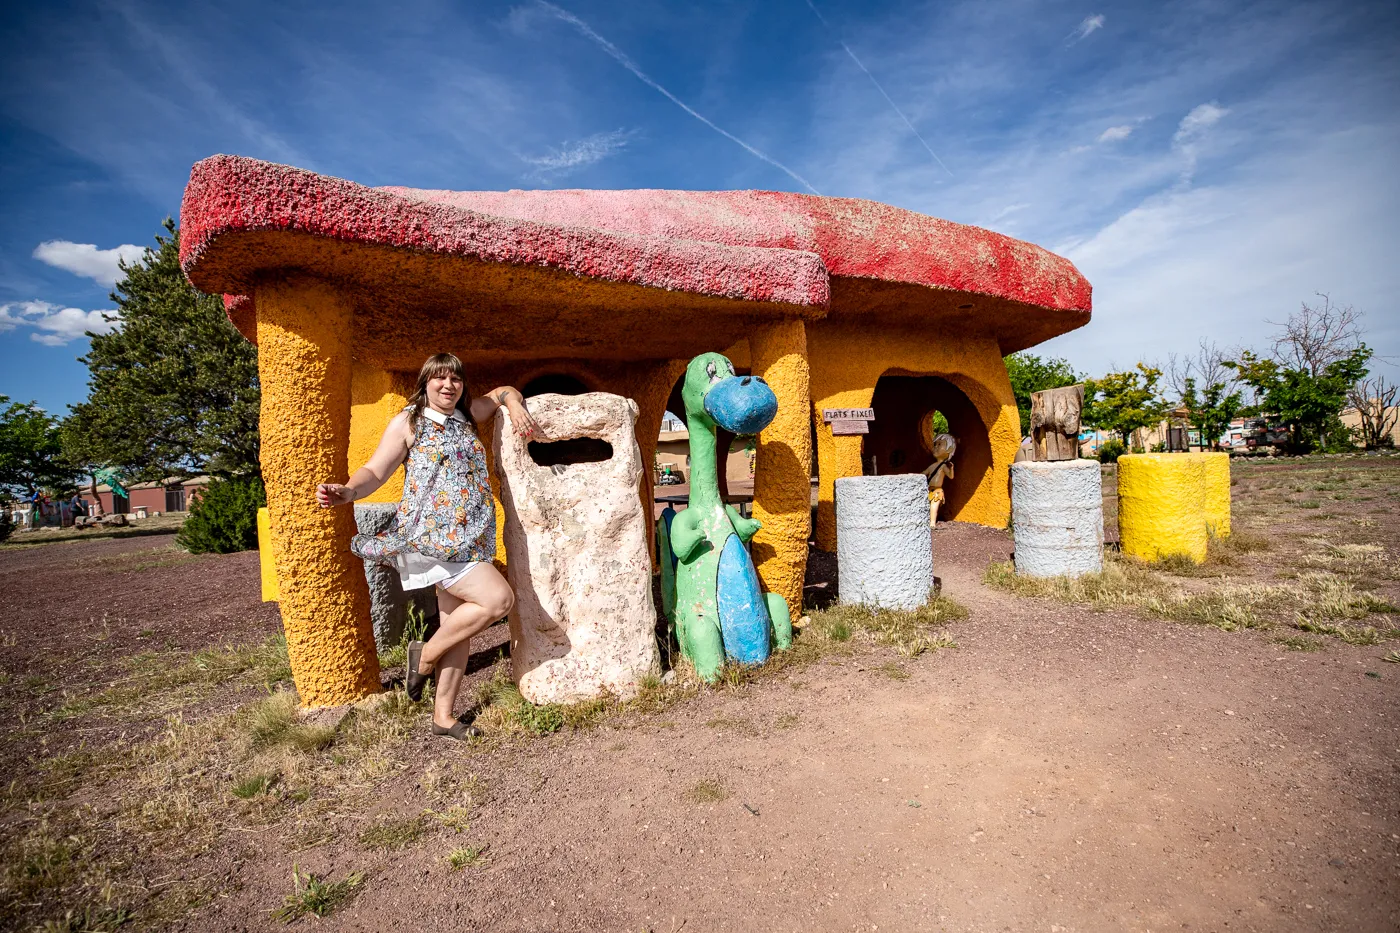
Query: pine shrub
{"x":224,"y":518}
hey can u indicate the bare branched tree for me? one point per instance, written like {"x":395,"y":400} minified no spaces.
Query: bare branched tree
{"x":1317,"y":336}
{"x":1374,"y":401}
{"x":1206,"y":366}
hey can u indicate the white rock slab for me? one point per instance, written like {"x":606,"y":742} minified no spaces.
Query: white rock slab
{"x":1057,"y":515}
{"x":576,"y":554}
{"x":884,"y":550}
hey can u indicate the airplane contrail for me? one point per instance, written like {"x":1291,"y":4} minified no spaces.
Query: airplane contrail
{"x":893,"y":106}
{"x":631,"y":66}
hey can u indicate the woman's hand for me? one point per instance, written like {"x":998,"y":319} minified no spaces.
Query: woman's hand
{"x":333,"y":494}
{"x":520,"y":416}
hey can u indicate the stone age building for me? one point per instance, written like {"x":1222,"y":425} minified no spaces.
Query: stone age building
{"x":838,"y":303}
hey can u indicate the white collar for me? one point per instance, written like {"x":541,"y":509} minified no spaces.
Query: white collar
{"x":437,"y":417}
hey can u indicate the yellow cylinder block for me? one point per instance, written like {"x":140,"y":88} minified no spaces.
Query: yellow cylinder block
{"x":1161,"y":506}
{"x":304,"y":330}
{"x":782,"y":476}
{"x":1215,"y":503}
{"x":267,"y":564}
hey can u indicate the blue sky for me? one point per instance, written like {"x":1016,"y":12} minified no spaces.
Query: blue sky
{"x":1207,"y":165}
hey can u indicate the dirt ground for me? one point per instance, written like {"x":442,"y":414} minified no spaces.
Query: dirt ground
{"x":1062,"y":769}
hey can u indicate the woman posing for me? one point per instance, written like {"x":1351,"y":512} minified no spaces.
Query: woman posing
{"x":444,"y":532}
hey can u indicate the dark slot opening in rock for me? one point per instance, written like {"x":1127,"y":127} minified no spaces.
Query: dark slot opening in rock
{"x":574,"y":450}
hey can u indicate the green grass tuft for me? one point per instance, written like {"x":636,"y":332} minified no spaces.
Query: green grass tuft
{"x":316,"y":896}
{"x":253,"y":785}
{"x":468,"y":857}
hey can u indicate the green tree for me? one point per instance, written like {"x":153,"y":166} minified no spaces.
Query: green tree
{"x":1124,"y":402}
{"x":1309,"y":400}
{"x":1029,"y":373}
{"x":173,"y":391}
{"x":1211,"y":411}
{"x":31,"y":454}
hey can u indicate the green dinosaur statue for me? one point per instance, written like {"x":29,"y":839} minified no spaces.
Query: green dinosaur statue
{"x":719,"y":609}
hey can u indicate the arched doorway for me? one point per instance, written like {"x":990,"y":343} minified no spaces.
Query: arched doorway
{"x":733,"y":460}
{"x":895,"y":444}
{"x":557,"y":383}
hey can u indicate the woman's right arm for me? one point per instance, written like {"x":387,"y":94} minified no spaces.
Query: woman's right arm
{"x":392,"y":449}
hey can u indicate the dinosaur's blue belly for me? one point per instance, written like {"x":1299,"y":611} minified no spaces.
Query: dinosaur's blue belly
{"x":743,"y":613}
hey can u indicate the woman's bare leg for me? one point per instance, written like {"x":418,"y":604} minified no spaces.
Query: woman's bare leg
{"x":468,"y":607}
{"x":451,"y":667}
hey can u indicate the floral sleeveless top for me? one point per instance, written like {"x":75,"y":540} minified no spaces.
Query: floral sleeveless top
{"x":446,"y":513}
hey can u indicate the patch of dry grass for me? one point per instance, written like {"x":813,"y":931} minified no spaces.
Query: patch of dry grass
{"x":155,"y":682}
{"x":709,"y":790}
{"x":188,"y":789}
{"x":1314,"y":601}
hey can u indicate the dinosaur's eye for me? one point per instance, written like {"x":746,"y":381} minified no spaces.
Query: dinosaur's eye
{"x":711,"y":371}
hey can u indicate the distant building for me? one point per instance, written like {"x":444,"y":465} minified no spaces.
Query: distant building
{"x":172,"y":495}
{"x":673,"y":455}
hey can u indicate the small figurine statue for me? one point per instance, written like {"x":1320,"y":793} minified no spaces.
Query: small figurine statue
{"x":943,"y":447}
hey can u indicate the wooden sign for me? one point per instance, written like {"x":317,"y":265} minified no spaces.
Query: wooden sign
{"x":845,"y":426}
{"x":848,"y":414}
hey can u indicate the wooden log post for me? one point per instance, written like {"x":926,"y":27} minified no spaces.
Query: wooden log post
{"x":1055,"y":423}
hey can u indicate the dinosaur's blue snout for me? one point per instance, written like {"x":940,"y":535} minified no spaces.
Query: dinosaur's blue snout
{"x":741,"y":404}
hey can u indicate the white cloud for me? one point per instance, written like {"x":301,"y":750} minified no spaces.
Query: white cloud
{"x":1220,"y":261}
{"x":86,"y":259}
{"x":1115,"y":134}
{"x":573,"y":155}
{"x":1090,"y":24}
{"x":1195,"y":123}
{"x":1192,"y":130}
{"x":54,"y":325}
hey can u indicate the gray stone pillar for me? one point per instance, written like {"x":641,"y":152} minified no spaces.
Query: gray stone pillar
{"x":388,"y":602}
{"x":884,"y":549}
{"x":1057,"y":517}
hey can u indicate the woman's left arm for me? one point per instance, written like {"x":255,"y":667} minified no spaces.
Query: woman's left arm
{"x":484,"y":408}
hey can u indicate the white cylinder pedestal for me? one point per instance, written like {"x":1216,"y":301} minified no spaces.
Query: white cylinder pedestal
{"x":1057,"y":514}
{"x":884,"y":550}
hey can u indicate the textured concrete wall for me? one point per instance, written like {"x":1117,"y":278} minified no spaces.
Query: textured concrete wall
{"x":584,"y":621}
{"x":304,"y":369}
{"x":1160,"y":506}
{"x":782,"y":475}
{"x":388,"y":603}
{"x":1215,"y":502}
{"x":1057,"y":511}
{"x":376,"y":395}
{"x":848,"y":359}
{"x":885,"y":547}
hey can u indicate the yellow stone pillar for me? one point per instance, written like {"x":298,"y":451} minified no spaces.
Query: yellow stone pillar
{"x":304,"y":329}
{"x":837,"y":457}
{"x":782,"y":491}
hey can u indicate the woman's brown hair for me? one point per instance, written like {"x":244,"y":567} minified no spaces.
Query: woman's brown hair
{"x":441,"y":364}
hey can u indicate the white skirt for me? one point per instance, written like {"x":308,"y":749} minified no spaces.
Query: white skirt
{"x":417,"y":572}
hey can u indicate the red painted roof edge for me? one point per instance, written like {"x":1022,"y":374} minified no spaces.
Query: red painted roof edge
{"x":229,"y":194}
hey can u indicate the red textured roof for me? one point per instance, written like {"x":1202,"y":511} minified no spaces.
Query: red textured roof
{"x":759,"y":246}
{"x":854,"y":237}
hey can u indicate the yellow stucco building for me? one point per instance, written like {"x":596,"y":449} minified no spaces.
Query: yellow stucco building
{"x":837,"y":303}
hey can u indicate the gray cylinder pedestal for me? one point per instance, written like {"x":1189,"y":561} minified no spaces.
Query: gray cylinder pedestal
{"x":1057,"y":514}
{"x":884,"y":550}
{"x":388,"y":603}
